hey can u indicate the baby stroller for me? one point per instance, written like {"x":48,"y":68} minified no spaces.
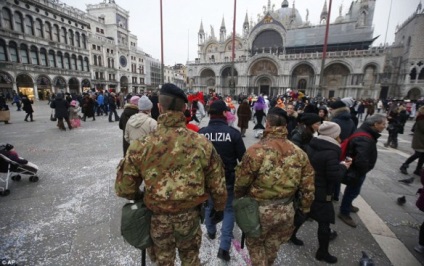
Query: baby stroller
{"x":11,"y":163}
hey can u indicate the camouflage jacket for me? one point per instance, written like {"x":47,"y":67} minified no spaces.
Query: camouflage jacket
{"x":179,"y":167}
{"x":275,"y":168}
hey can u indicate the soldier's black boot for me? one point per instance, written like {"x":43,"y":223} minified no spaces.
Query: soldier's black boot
{"x":324,"y":241}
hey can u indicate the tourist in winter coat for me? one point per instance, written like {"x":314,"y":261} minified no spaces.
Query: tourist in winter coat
{"x":417,"y":145}
{"x":244,"y":114}
{"x":112,"y":107}
{"x":88,"y":107}
{"x":292,"y":119}
{"x":27,"y":107}
{"x":155,"y":110}
{"x":324,"y":153}
{"x":305,"y":130}
{"x":393,"y":127}
{"x":130,"y":109}
{"x":61,"y":111}
{"x":141,"y":124}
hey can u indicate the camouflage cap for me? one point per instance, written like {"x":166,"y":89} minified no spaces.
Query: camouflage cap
{"x":172,"y":90}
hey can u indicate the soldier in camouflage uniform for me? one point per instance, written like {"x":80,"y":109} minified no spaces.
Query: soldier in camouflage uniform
{"x":180,"y":168}
{"x":271,"y":172}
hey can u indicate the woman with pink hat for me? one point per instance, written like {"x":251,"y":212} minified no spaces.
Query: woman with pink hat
{"x":73,"y":114}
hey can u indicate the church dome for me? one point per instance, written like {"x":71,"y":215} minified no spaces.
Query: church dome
{"x":285,"y":3}
{"x":285,"y":14}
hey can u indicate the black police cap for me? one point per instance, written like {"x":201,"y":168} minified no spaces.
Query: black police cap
{"x":278,"y":111}
{"x":172,"y":90}
{"x":217,"y":107}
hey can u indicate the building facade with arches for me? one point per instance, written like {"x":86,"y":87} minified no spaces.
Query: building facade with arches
{"x":42,"y":49}
{"x":281,"y":50}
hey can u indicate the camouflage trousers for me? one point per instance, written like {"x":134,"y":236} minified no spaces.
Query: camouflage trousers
{"x":277,"y":227}
{"x":181,"y":231}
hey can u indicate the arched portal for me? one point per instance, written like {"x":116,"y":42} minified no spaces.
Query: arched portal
{"x":59,"y":84}
{"x":6,"y":84}
{"x":414,"y":94}
{"x":25,"y":85}
{"x":229,"y":79}
{"x":44,"y":87}
{"x":302,"y":78}
{"x":207,"y":78}
{"x":264,"y":85}
{"x":263,"y":70}
{"x":74,"y":86}
{"x":335,"y":77}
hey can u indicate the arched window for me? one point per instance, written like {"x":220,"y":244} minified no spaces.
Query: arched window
{"x":84,"y":42}
{"x":29,"y":25}
{"x":74,"y":62}
{"x":56,"y":33}
{"x":34,"y":55}
{"x":86,"y":64}
{"x":3,"y":56}
{"x":59,"y":60}
{"x":43,"y":57}
{"x":67,"y":61}
{"x":80,"y":68}
{"x":19,"y":25}
{"x":95,"y":59}
{"x":77,"y":39}
{"x":39,"y":28}
{"x":7,"y":19}
{"x":48,"y":29}
{"x":99,"y":60}
{"x":24,"y":54}
{"x":13,"y":51}
{"x":113,"y":63}
{"x":52,"y":62}
{"x":71,"y":37}
{"x":63,"y":36}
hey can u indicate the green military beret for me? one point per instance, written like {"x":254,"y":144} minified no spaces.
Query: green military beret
{"x":172,"y":90}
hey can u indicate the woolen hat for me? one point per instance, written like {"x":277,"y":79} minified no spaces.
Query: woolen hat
{"x":329,"y":129}
{"x":348,"y":101}
{"x":337,"y":105}
{"x":310,"y":118}
{"x":134,"y":100}
{"x":217,"y":107}
{"x":144,"y":103}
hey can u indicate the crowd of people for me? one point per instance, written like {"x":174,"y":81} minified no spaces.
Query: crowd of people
{"x":293,"y":173}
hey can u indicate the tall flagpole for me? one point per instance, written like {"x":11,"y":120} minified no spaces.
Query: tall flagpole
{"x":232,"y":80}
{"x":161,"y":45}
{"x":388,"y":21}
{"x":324,"y":51}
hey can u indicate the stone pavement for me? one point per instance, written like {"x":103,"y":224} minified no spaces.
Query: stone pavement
{"x":72,"y":216}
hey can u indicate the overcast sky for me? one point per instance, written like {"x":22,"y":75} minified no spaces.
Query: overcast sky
{"x":181,"y":19}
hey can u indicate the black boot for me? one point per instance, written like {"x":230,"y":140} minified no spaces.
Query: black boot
{"x":403,"y":169}
{"x":324,"y":242}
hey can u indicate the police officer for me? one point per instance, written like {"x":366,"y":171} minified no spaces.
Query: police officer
{"x":271,"y":172}
{"x":180,"y":168}
{"x":230,"y":146}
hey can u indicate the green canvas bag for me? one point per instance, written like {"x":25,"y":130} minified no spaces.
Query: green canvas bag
{"x":135,"y":224}
{"x":246,"y":212}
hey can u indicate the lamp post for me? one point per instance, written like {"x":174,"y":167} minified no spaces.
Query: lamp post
{"x":324,"y":52}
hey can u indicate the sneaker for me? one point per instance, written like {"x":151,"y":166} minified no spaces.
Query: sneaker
{"x":347,"y":220}
{"x":224,"y":255}
{"x":419,"y":249}
{"x":296,"y":241}
{"x":354,"y":209}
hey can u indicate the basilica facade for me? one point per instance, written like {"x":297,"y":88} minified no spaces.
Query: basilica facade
{"x":282,"y":50}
